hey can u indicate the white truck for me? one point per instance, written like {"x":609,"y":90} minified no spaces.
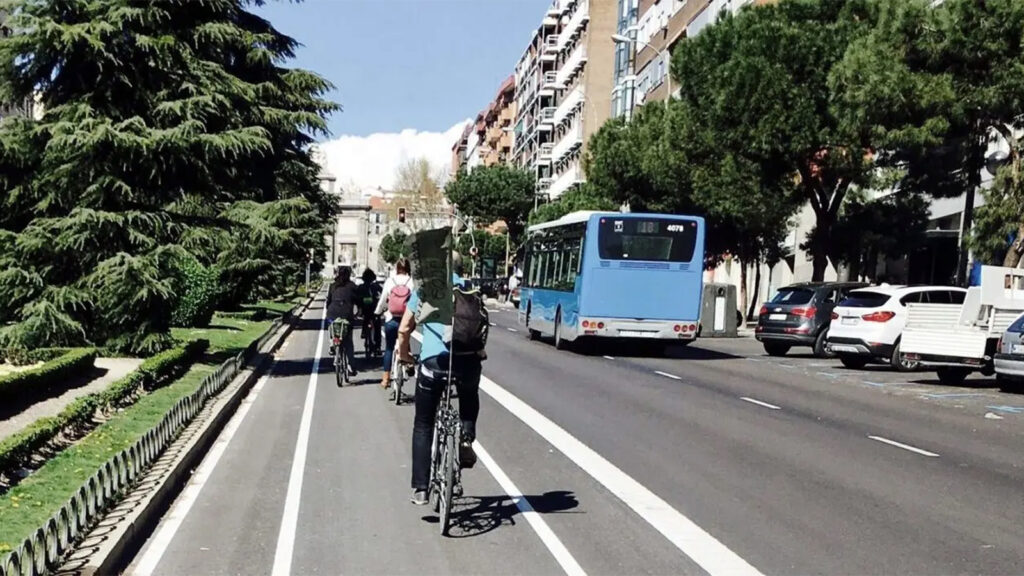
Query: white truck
{"x":957,"y":339}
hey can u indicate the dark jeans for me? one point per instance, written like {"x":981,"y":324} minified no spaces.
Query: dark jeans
{"x":466,"y":373}
{"x":390,"y":337}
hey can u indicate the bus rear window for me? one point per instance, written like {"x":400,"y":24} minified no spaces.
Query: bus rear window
{"x":652,"y":239}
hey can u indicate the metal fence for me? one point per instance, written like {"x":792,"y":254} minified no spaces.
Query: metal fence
{"x":45,"y":549}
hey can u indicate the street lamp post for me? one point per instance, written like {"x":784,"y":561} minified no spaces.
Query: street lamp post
{"x":622,"y":39}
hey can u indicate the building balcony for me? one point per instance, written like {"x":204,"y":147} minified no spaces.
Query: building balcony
{"x":547,"y":118}
{"x":566,"y":180}
{"x":570,"y":103}
{"x":550,"y":81}
{"x":543,"y":184}
{"x":545,"y":152}
{"x":549,"y":52}
{"x":572,"y":64}
{"x":572,"y":140}
{"x":574,"y":25}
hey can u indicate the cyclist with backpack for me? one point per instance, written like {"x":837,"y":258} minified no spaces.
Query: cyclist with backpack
{"x":468,"y":336}
{"x":369,"y":294}
{"x":392,"y":304}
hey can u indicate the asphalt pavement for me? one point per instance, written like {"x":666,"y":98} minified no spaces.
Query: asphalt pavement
{"x":716,"y":459}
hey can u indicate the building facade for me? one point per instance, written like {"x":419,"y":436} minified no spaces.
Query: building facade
{"x":487,"y":140}
{"x":564,"y":82}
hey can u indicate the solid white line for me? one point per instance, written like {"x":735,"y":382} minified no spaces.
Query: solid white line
{"x":512,"y":330}
{"x":172,"y":522}
{"x":759,"y":403}
{"x":290,"y":517}
{"x":904,"y":446}
{"x":609,"y":358}
{"x":562,"y":555}
{"x":692,"y":540}
{"x":667,"y":375}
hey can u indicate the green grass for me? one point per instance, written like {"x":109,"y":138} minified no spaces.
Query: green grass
{"x":29,"y":504}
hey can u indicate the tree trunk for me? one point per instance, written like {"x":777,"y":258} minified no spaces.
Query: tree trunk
{"x":819,"y":253}
{"x":1012,"y":259}
{"x":757,"y":290}
{"x":743,"y":284}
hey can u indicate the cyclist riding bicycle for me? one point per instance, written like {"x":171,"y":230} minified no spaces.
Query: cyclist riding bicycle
{"x":341,"y":301}
{"x":434,"y":360}
{"x":394,"y":300}
{"x":368,"y":293}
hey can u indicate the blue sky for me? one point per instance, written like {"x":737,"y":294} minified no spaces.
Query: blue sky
{"x":401,"y":64}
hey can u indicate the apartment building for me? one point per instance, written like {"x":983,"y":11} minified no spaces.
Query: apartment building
{"x":563,"y":90}
{"x":487,"y":140}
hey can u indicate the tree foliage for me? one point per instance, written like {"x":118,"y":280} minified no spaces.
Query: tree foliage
{"x":491,"y":193}
{"x":584,"y":197}
{"x":162,"y":123}
{"x":417,"y":189}
{"x":392,"y":246}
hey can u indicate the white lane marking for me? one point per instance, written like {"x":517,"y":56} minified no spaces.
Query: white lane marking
{"x":667,"y":375}
{"x":511,"y":329}
{"x":562,"y":555}
{"x":172,"y":522}
{"x":692,"y":540}
{"x":904,"y":446}
{"x":493,"y":324}
{"x":760,"y":403}
{"x":290,"y":517}
{"x":609,"y":358}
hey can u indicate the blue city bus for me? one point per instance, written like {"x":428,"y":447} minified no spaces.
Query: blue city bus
{"x":613,"y":275}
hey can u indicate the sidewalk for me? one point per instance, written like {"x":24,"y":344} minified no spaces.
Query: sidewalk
{"x":105,"y":372}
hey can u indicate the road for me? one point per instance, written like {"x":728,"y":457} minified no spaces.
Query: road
{"x":718,"y":459}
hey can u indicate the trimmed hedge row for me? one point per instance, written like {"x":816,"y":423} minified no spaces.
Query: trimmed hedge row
{"x":17,"y":449}
{"x":71,"y":363}
{"x":23,"y":357}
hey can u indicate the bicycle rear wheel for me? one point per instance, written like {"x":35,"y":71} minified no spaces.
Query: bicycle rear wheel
{"x":339,"y":367}
{"x":399,"y":382}
{"x":447,"y":483}
{"x":436,"y":454}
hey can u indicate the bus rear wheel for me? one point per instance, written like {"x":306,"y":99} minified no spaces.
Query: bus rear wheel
{"x":560,"y":343}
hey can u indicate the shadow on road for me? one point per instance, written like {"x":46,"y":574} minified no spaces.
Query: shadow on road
{"x":477,"y":515}
{"x":657,"y":349}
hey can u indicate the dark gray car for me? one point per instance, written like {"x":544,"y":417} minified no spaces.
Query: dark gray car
{"x":799,"y":315}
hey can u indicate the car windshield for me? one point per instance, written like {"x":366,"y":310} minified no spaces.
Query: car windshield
{"x":1017,"y":327}
{"x":793,"y":296}
{"x":864,"y":300}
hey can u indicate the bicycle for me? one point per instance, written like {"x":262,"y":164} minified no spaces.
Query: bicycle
{"x":398,"y":376}
{"x":445,"y":465}
{"x":339,"y":330}
{"x":371,"y":337}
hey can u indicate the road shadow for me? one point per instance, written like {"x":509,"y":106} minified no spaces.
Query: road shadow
{"x":16,"y":404}
{"x":655,"y":349}
{"x":477,"y":515}
{"x":970,"y":383}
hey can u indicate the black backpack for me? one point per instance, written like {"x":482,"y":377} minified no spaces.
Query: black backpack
{"x":470,"y":322}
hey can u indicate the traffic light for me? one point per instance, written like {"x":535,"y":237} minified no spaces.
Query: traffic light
{"x":401,"y":215}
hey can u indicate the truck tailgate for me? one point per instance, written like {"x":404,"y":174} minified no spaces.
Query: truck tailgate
{"x":960,"y":342}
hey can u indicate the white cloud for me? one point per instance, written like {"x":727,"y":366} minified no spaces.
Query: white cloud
{"x":371,"y":161}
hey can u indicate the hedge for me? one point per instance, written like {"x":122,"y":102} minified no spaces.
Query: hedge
{"x":23,"y":357}
{"x":17,"y":449}
{"x":71,"y":363}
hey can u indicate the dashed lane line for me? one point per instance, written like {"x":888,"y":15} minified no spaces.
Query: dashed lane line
{"x":609,"y":358}
{"x":667,"y":375}
{"x":760,"y":403}
{"x":908,"y":447}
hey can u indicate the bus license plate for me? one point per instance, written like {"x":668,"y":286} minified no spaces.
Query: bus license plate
{"x":637,"y":333}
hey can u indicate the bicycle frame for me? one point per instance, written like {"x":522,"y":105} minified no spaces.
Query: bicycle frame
{"x":445,"y":466}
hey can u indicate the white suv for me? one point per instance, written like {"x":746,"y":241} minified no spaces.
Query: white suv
{"x":867,"y":325}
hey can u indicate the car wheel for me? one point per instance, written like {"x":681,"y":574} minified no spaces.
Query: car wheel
{"x":853,"y":362}
{"x":901,"y":364}
{"x":820,"y":345}
{"x":776,"y":349}
{"x":952,"y":376}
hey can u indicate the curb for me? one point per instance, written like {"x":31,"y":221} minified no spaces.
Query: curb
{"x":123,"y":538}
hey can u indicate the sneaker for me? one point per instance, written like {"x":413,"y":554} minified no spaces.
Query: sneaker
{"x":467,"y":457}
{"x":419,"y":498}
{"x":330,"y":351}
{"x":352,"y":373}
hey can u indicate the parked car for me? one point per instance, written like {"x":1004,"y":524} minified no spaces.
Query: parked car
{"x":867,"y":326}
{"x":1009,"y":357}
{"x":799,"y":315}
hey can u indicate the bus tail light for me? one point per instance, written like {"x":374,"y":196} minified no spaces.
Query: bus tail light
{"x":586,"y":324}
{"x":693,"y":327}
{"x":677,"y":328}
{"x":600,"y":325}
